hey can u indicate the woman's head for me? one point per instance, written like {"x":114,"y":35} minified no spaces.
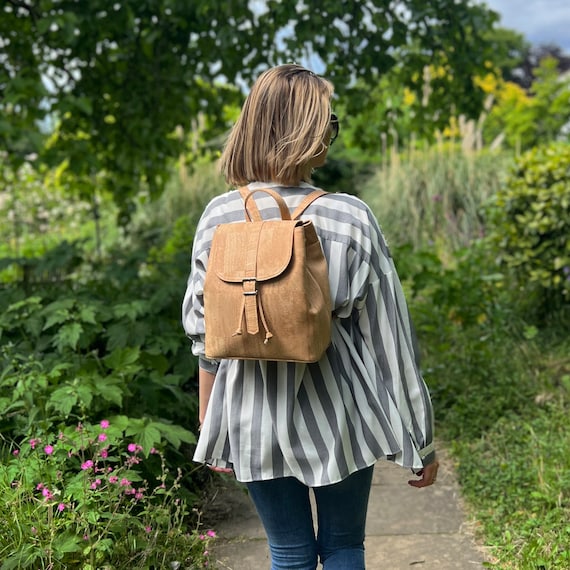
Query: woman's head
{"x":284,"y":128}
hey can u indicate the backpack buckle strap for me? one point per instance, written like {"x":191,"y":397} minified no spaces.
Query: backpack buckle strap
{"x":250,"y":305}
{"x":252,"y":310}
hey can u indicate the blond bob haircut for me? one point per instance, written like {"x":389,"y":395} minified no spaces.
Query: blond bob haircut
{"x":282,"y":127}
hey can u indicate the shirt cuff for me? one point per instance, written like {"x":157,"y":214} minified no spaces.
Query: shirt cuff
{"x":208,"y":365}
{"x":427,"y":454}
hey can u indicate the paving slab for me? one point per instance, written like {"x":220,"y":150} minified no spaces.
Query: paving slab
{"x":407,"y":528}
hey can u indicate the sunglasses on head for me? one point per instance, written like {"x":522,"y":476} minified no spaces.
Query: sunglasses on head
{"x":334,"y":128}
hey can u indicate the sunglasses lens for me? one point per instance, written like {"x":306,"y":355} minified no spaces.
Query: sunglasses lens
{"x":334,"y":127}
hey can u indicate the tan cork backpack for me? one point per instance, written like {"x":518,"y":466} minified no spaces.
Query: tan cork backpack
{"x":266,"y":292}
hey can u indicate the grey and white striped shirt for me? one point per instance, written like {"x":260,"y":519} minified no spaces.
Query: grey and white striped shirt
{"x":364,"y":400}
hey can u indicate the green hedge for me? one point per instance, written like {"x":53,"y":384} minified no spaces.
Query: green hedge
{"x":531,"y":225}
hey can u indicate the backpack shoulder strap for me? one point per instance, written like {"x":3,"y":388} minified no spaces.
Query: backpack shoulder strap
{"x":308,"y":200}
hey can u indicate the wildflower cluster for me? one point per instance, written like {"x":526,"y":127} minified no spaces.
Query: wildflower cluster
{"x":85,"y":497}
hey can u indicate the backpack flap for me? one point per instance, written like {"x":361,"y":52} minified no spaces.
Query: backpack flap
{"x":250,"y":253}
{"x":253,"y":249}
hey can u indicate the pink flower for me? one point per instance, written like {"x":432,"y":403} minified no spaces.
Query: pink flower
{"x":34,"y":530}
{"x":104,"y":424}
{"x":113,"y":479}
{"x":102,"y":437}
{"x":48,"y":449}
{"x":147,"y":529}
{"x":87,"y":465}
{"x":39,"y":486}
{"x":33,"y":443}
{"x":153,"y":451}
{"x":47,"y":493}
{"x":96,"y":483}
{"x":104,"y":453}
{"x":125,"y":482}
{"x":16,"y":452}
{"x":211,"y":534}
{"x":61,"y":507}
{"x":85,"y":537}
{"x":139,"y":496}
{"x":132,"y":447}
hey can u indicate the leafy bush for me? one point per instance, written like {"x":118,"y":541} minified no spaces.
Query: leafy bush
{"x":112,"y":344}
{"x":80,"y":499}
{"x":465,"y":322}
{"x":531,"y":225}
{"x":87,"y":335}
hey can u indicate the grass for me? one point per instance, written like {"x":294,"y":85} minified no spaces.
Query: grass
{"x":435,"y":196}
{"x":517,"y":480}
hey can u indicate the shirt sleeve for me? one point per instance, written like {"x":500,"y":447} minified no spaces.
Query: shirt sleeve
{"x":193,"y":303}
{"x":388,"y":331}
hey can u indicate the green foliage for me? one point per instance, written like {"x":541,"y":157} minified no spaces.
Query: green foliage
{"x":79,"y":496}
{"x":108,"y":342}
{"x":87,"y":335}
{"x":526,"y":120}
{"x":550,"y":102}
{"x":38,"y":212}
{"x":510,"y":49}
{"x":517,"y":475}
{"x":500,"y":381}
{"x":501,"y":391}
{"x":463,"y":317}
{"x":113,"y":82}
{"x":98,"y":334}
{"x":531,"y":216}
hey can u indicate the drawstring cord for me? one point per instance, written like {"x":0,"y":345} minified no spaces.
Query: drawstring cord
{"x":239,"y":330}
{"x":268,"y":334}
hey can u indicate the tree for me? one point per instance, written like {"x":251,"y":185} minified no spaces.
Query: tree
{"x":524,"y":74}
{"x":118,"y":78}
{"x":510,"y":50}
{"x":527,"y":119}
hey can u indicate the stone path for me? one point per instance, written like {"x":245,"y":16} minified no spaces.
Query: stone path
{"x":436,"y":537}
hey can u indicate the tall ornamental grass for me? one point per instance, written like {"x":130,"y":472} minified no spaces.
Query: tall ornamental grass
{"x":435,"y":195}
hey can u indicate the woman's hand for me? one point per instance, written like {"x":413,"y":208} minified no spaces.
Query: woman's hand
{"x":428,"y":476}
{"x":225,"y":470}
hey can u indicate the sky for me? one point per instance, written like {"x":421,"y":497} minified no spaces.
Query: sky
{"x":540,"y":21}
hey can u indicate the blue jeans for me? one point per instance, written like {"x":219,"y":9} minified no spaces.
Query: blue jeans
{"x":285,"y":511}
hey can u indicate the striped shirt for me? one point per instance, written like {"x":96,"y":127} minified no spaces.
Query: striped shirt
{"x":364,"y":400}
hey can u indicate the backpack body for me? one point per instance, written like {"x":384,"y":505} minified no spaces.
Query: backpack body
{"x":266,"y":291}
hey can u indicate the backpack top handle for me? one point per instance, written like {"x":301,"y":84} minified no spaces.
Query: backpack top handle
{"x":252,"y":213}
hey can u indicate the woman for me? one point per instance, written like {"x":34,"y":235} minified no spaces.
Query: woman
{"x":285,"y":428}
